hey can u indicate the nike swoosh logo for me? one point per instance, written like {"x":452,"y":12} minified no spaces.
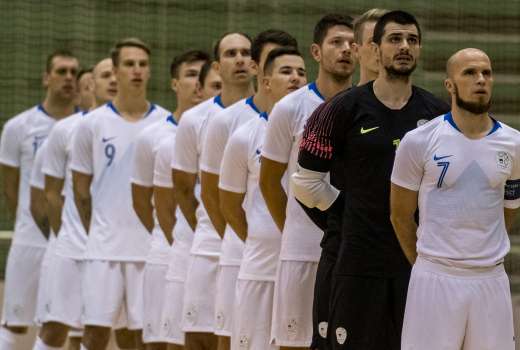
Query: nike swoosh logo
{"x":364,"y":131}
{"x":435,"y":158}
{"x":258,"y":151}
{"x":106,"y":139}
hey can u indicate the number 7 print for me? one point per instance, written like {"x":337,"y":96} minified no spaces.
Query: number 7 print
{"x":445,"y":166}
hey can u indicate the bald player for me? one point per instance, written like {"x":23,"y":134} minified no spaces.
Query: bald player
{"x":86,"y":99}
{"x":462,"y":171}
{"x":64,"y":309}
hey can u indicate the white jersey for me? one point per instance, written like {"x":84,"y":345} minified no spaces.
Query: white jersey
{"x":104,"y":145}
{"x":146,"y":147}
{"x":21,"y":138}
{"x":463,"y":187}
{"x":162,"y":177}
{"x":220,"y":127}
{"x":186,"y":157}
{"x":301,"y":237}
{"x":239,"y":173}
{"x":72,"y":237}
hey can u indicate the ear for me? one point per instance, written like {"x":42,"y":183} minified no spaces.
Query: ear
{"x":316,"y":52}
{"x":266,"y":83}
{"x":448,"y":84}
{"x":355,"y":50}
{"x":216,"y":66}
{"x":253,"y":66}
{"x":174,"y":83}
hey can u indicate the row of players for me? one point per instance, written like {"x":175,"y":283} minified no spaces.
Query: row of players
{"x":248,"y":272}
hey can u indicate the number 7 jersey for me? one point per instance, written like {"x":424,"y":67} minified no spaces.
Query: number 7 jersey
{"x":103,"y":147}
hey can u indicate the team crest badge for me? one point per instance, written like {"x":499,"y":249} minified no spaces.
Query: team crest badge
{"x":503,"y":160}
{"x":220,"y":320}
{"x":341,"y":335}
{"x":322,"y":329}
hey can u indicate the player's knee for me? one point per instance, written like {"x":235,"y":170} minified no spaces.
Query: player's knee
{"x":96,"y":338}
{"x":125,"y":339}
{"x":74,"y":343}
{"x":54,"y":333}
{"x":17,"y":330}
{"x":157,"y":346}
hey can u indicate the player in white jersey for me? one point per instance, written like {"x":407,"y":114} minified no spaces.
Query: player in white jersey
{"x":300,"y":247}
{"x":232,"y":53}
{"x":184,"y":72}
{"x":64,"y":310}
{"x":210,"y":83}
{"x":462,"y":171}
{"x":86,"y":97}
{"x":21,"y":137}
{"x":220,"y":128}
{"x":101,"y":163}
{"x":284,"y":72}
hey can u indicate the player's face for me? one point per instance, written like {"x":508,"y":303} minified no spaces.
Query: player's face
{"x":133,"y":69}
{"x":364,"y":52}
{"x":212,"y":85}
{"x":61,"y":80}
{"x":105,"y":85}
{"x":400,"y":49}
{"x":86,"y":91}
{"x":185,"y":85}
{"x":263,"y":56}
{"x":235,"y":65}
{"x":472,"y":83}
{"x":335,"y":53}
{"x":288,"y":75}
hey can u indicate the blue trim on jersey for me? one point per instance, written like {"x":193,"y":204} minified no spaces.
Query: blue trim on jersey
{"x":84,"y":112}
{"x":112,"y":107}
{"x":449,"y":118}
{"x":251,"y":103}
{"x":171,"y":119}
{"x":218,"y":100}
{"x":152,"y":108}
{"x":41,"y":109}
{"x":264,"y":115}
{"x":314,"y":88}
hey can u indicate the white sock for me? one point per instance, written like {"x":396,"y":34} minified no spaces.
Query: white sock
{"x":40,"y":345}
{"x":9,"y":339}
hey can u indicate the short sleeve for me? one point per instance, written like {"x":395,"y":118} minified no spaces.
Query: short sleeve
{"x":512,"y":187}
{"x":37,"y":176}
{"x":11,"y":143}
{"x":185,"y":155}
{"x":215,"y":141}
{"x":409,"y":164}
{"x":279,"y":133}
{"x":82,"y":158}
{"x":143,"y":162}
{"x":55,"y":162}
{"x":162,"y":174}
{"x":234,"y":170}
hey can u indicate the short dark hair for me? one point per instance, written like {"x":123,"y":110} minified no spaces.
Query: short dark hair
{"x":204,"y":71}
{"x":216,"y":47}
{"x":187,"y":57}
{"x":127,"y":42}
{"x":275,"y":53}
{"x":372,"y":15}
{"x":399,"y":17}
{"x":328,"y":21}
{"x":84,"y":71}
{"x":270,"y":36}
{"x":57,"y":53}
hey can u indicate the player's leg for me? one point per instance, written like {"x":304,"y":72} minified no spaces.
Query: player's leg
{"x":102,"y":304}
{"x":490,"y":323}
{"x":134,"y":289}
{"x":75,"y":337}
{"x":224,"y":304}
{"x":253,"y":315}
{"x":293,"y":298}
{"x":199,"y":303}
{"x":125,"y":338}
{"x":320,"y":307}
{"x":154,"y":295}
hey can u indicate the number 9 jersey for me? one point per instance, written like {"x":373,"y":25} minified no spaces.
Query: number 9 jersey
{"x":104,"y":147}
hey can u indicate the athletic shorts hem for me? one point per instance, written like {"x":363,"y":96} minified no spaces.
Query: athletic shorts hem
{"x":294,"y":344}
{"x":198,"y":329}
{"x":17,"y":324}
{"x":162,"y":340}
{"x":222,"y":333}
{"x":51,"y":318}
{"x":301,"y":258}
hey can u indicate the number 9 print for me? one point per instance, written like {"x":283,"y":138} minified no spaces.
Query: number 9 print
{"x":110,"y":153}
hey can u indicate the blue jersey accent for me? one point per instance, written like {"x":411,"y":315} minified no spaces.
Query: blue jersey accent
{"x":41,"y":109}
{"x":449,"y":118}
{"x":114,"y":109}
{"x":435,"y":158}
{"x":251,"y":103}
{"x":512,"y":190}
{"x":152,"y":108}
{"x":218,"y":100}
{"x":314,"y":88}
{"x":496,"y":126}
{"x":171,"y":119}
{"x":264,"y":115}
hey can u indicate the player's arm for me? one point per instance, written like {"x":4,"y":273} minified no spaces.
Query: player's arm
{"x":271,"y":174}
{"x":403,"y":204}
{"x":210,"y":198}
{"x":165,"y":205}
{"x":10,"y":155}
{"x":142,"y":203}
{"x":231,"y":206}
{"x":38,"y":208}
{"x":509,"y":216}
{"x":10,"y":185}
{"x":53,"y":190}
{"x":82,"y":198}
{"x":184,"y":191}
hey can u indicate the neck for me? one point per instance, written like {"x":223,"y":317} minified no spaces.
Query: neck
{"x":131,"y":106}
{"x":261,"y":100}
{"x":366,"y":75}
{"x":181,"y":108}
{"x":473,"y":126}
{"x":99,"y":102}
{"x":58,"y":108}
{"x":393,"y":93}
{"x":329,"y":86}
{"x":232,"y":93}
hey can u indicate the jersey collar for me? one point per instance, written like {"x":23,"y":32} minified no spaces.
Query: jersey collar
{"x":449,"y":118}
{"x":251,"y":103}
{"x":314,"y":88}
{"x":218,"y":100}
{"x":264,"y":115}
{"x":41,"y":109}
{"x":171,"y":119}
{"x":114,"y":109}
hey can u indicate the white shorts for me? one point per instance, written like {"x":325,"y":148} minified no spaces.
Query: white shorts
{"x":110,"y":287}
{"x":65,"y":291}
{"x":154,"y":301}
{"x":22,"y":276}
{"x":225,"y":299}
{"x":252,"y":316}
{"x":293,"y":298}
{"x":171,"y":330}
{"x":452,"y":308}
{"x":199,"y":294}
{"x":43,"y":299}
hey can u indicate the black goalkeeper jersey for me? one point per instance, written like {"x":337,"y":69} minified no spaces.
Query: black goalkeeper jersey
{"x":354,"y":136}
